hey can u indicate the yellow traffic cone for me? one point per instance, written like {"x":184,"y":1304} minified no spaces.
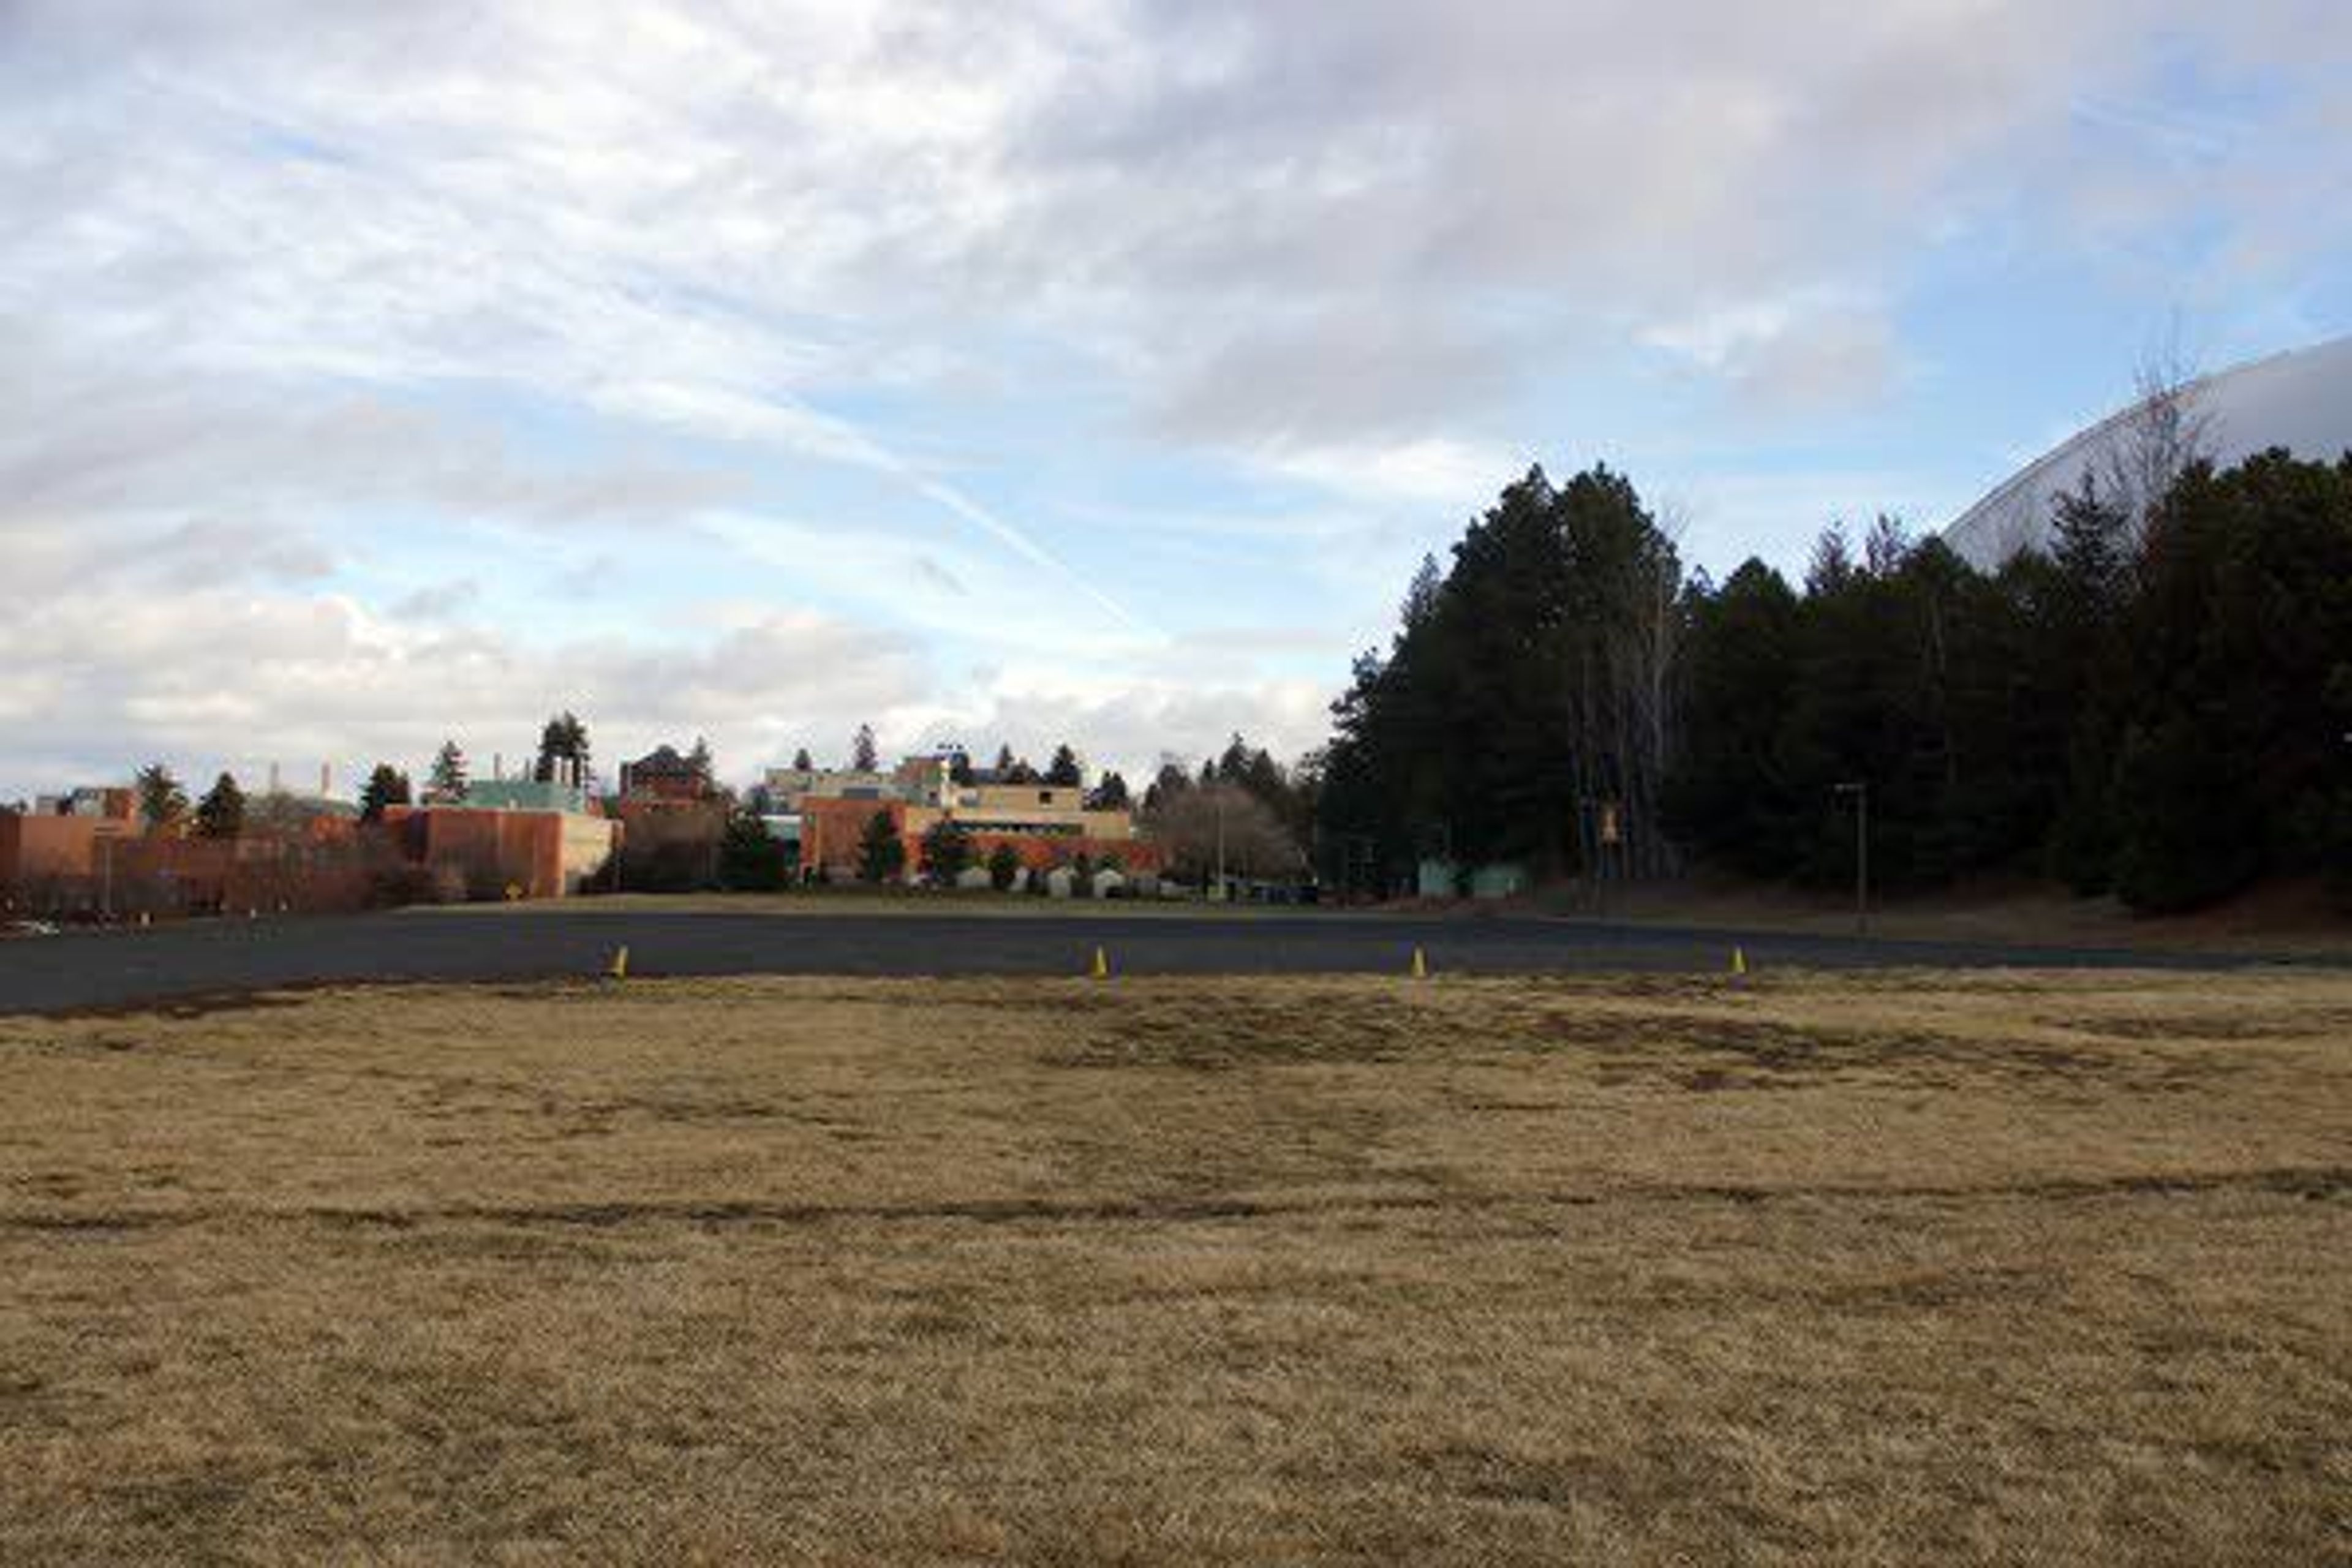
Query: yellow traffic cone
{"x":1102,"y":964}
{"x":619,"y":970}
{"x":1739,"y":962}
{"x":1420,"y":965}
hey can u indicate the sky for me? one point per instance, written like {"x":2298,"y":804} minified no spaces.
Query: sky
{"x":1086,"y":370}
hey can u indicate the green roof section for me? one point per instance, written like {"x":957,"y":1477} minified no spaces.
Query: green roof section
{"x":524,"y":795}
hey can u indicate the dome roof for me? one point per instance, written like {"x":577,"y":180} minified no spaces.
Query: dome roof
{"x":2301,"y":401}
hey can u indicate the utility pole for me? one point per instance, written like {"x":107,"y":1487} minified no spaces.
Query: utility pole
{"x":1860,"y":790}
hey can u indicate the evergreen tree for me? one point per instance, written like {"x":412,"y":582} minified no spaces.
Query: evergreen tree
{"x":163,"y":803}
{"x":2078,"y":610}
{"x":947,"y":850}
{"x":1170,"y":781}
{"x":863,"y":758}
{"x":700,"y":761}
{"x":449,"y":779}
{"x":1833,"y":562}
{"x":802,"y":762}
{"x":1002,"y":772}
{"x":221,"y":814}
{"x":2159,"y":704}
{"x":562,"y":749}
{"x":1003,"y":867}
{"x":750,"y":857}
{"x":1729,"y":798}
{"x":881,"y":853}
{"x":959,"y":770}
{"x":1063,"y":772}
{"x":1419,"y":606}
{"x":1110,"y":794}
{"x":385,"y":786}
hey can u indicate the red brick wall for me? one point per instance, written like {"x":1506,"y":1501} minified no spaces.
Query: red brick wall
{"x":35,"y":847}
{"x":1042,"y":852}
{"x":489,"y":851}
{"x":831,"y":831}
{"x":59,"y":867}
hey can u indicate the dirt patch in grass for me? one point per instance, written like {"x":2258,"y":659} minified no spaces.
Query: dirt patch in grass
{"x":1891,"y":1268}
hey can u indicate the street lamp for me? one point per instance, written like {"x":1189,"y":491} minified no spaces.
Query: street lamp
{"x":1220,"y":787}
{"x":1860,"y":790}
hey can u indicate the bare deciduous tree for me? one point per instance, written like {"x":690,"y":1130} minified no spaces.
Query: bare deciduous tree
{"x":2167,"y":427}
{"x":1191,"y":823}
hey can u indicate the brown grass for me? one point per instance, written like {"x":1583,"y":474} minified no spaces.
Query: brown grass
{"x":1889,"y":1269}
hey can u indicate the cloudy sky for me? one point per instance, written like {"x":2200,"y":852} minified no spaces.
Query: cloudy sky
{"x":375,"y":372}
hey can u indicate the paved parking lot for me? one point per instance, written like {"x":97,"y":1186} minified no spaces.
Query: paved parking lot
{"x":124,"y":968}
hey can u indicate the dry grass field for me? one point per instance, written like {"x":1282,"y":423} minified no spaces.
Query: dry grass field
{"x":1891,"y":1269}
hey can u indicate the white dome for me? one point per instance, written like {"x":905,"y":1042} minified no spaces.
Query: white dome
{"x":2301,"y":401}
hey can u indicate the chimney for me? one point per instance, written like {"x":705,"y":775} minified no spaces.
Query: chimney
{"x":499,"y":766}
{"x":273,"y":778}
{"x":326,"y":780}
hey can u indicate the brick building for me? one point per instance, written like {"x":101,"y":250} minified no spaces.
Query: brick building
{"x":666,"y":774}
{"x":1045,"y":825}
{"x":482,"y":852}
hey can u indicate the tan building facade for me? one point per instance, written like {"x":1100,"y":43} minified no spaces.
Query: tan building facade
{"x":1046,"y":825}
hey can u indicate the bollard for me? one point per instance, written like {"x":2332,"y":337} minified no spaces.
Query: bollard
{"x":619,"y":970}
{"x":1739,"y":962}
{"x":1102,"y":965}
{"x":1420,"y":965}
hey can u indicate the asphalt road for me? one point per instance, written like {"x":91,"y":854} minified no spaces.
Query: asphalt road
{"x":129,"y":968}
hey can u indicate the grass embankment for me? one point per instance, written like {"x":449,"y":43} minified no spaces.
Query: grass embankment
{"x":2299,"y":918}
{"x":1910,"y":1268}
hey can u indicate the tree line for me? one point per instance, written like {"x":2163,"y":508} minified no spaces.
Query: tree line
{"x":2158,"y":705}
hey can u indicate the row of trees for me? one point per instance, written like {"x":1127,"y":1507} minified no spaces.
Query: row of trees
{"x":1526,"y":708}
{"x":2160,"y":704}
{"x":947,"y":852}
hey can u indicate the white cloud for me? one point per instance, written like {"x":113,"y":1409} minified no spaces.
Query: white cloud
{"x":1429,"y":472}
{"x":303,"y":304}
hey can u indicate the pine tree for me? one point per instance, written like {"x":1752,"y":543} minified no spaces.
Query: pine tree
{"x":449,"y":779}
{"x":221,"y":814}
{"x":562,"y":749}
{"x":163,"y":804}
{"x":700,"y":761}
{"x":947,"y":850}
{"x":1110,"y":794}
{"x":881,"y":853}
{"x":1170,"y":781}
{"x":802,"y":762}
{"x":1419,"y":606}
{"x":1002,"y":772}
{"x":863,"y":757}
{"x":1063,"y":772}
{"x":386,"y":787}
{"x":750,"y":857}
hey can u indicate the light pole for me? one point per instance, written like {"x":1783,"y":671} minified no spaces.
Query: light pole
{"x":1587,"y":839}
{"x":1860,"y":790}
{"x":1220,"y":841}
